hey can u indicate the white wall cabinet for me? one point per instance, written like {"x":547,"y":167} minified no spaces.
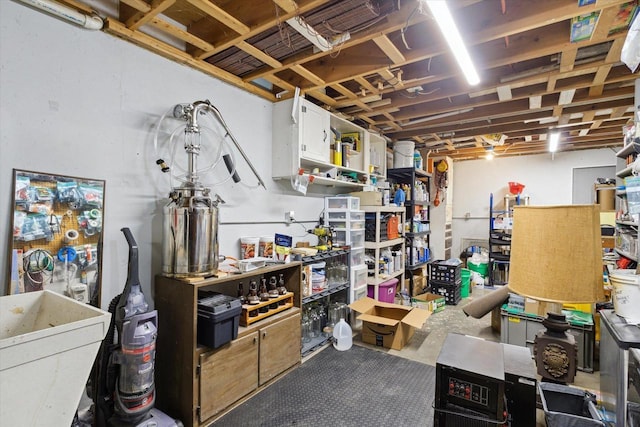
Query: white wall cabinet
{"x":303,"y":140}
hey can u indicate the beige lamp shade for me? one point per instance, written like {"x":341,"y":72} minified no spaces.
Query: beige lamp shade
{"x":556,"y":253}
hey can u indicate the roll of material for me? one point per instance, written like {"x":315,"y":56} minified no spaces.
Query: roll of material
{"x":71,"y":235}
{"x":483,"y":305}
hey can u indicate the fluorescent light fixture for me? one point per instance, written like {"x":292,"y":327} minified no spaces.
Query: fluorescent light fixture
{"x":554,"y":138}
{"x":441,"y":14}
{"x":307,"y":31}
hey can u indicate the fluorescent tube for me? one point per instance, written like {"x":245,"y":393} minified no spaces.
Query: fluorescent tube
{"x":554,"y":138}
{"x":441,"y":14}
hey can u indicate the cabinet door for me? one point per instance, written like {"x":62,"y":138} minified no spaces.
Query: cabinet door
{"x":279,"y":347}
{"x":315,"y":133}
{"x":228,"y":374}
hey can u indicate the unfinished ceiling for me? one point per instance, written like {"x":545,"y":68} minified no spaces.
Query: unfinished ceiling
{"x":384,"y":64}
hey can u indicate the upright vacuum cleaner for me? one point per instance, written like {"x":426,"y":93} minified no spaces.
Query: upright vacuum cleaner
{"x":122,"y":383}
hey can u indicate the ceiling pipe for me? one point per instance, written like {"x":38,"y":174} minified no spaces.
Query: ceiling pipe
{"x":90,"y":22}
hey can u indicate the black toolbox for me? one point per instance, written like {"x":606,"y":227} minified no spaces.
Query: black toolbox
{"x":218,"y":318}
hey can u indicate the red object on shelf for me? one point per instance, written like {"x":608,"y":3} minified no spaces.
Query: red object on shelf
{"x":515,"y":188}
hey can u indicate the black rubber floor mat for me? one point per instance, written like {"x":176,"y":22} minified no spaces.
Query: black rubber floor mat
{"x":358,"y":387}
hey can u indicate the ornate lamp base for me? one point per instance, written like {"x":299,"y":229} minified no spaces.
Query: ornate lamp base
{"x":556,"y":351}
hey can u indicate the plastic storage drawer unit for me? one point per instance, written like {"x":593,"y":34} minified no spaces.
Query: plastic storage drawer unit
{"x":218,"y":318}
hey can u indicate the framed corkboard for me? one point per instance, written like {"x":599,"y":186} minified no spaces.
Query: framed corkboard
{"x":56,"y":243}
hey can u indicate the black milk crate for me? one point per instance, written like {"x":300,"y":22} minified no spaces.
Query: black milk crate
{"x":452,"y":292}
{"x":444,"y":273}
{"x":370,"y":228}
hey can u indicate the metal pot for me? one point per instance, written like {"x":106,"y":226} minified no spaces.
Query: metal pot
{"x":190,"y":228}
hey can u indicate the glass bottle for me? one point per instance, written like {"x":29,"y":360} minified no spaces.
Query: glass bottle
{"x":316,"y":329}
{"x":253,"y":298}
{"x":241,"y":297}
{"x":306,"y":328}
{"x":273,"y":291}
{"x":264,"y":295}
{"x":282,"y":289}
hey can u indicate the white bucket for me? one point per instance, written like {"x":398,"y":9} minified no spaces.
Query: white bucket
{"x":626,"y":294}
{"x":403,"y":154}
{"x":249,"y":247}
{"x":266,"y":248}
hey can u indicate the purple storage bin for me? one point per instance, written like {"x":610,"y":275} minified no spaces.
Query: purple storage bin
{"x":386,"y":291}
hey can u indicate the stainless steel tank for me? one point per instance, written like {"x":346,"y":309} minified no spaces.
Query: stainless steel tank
{"x":190,"y":228}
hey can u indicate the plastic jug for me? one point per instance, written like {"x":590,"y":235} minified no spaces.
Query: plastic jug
{"x":342,"y":336}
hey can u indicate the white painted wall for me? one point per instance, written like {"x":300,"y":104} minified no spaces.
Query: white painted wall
{"x":547,"y":182}
{"x":81,"y":103}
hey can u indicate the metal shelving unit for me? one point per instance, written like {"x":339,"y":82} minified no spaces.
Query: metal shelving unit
{"x":500,"y":226}
{"x":339,"y":291}
{"x":626,"y":225}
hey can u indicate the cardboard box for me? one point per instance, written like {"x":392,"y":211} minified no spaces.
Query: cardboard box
{"x":368,"y":198}
{"x":428,"y":301}
{"x":536,"y":307}
{"x":388,"y":325}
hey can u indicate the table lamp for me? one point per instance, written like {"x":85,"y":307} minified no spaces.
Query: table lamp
{"x":556,"y":257}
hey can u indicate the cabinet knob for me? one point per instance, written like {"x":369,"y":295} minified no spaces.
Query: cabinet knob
{"x":264,"y":334}
{"x":255,"y":340}
{"x":324,"y":138}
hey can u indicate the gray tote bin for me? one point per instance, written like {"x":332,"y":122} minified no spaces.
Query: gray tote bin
{"x":566,"y":406}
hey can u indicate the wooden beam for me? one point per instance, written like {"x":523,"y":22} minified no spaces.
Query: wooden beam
{"x":599,"y":79}
{"x":287,"y":5}
{"x":615,"y":51}
{"x":118,"y":29}
{"x":604,"y":22}
{"x":308,"y":75}
{"x":220,"y":15}
{"x":139,"y":5}
{"x":141,"y":18}
{"x":568,"y":60}
{"x":389,"y":49}
{"x":179,"y":33}
{"x":258,"y":54}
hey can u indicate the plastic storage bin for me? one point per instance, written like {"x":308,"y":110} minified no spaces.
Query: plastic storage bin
{"x":566,"y":406}
{"x":218,"y":318}
{"x":346,"y":202}
{"x":353,"y":238}
{"x":48,"y":343}
{"x":358,"y":276}
{"x":386,"y":291}
{"x":356,"y":257}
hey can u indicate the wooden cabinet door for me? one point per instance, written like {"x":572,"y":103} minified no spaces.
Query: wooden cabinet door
{"x":279,"y":347}
{"x":228,"y":374}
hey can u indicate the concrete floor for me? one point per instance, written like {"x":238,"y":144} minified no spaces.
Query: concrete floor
{"x":426,"y":343}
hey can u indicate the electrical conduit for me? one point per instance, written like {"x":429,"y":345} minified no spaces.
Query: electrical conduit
{"x":90,"y":22}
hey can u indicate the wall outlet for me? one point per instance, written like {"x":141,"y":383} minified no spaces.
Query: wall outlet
{"x":289,"y":217}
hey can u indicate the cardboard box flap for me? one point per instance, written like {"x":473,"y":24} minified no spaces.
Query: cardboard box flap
{"x":378,"y":320}
{"x":365,"y":304}
{"x":416,"y":317}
